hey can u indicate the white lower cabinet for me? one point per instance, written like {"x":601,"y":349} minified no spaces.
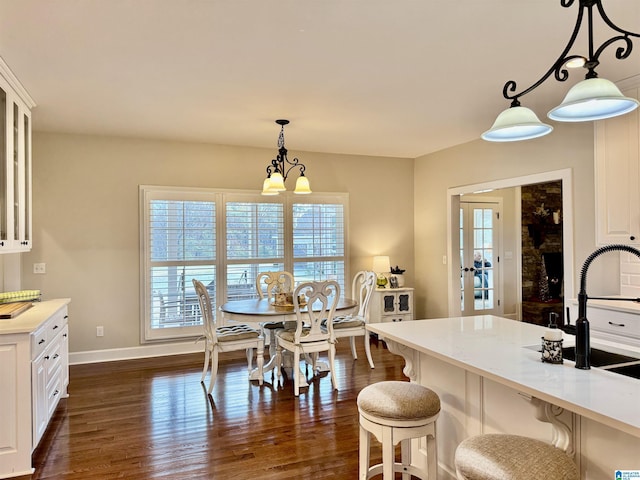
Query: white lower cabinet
{"x":34,"y":374}
{"x":391,"y":305}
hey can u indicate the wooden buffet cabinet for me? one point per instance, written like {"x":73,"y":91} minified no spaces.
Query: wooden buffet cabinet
{"x":34,"y":374}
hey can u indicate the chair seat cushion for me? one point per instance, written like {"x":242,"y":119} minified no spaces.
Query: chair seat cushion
{"x":238,"y":331}
{"x":344,"y":322}
{"x":272,"y":325}
{"x":505,"y":457}
{"x":290,"y":335}
{"x":398,"y":401}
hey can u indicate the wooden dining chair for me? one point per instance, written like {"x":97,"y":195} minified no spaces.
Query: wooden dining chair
{"x":237,"y":336}
{"x":309,"y":338}
{"x":355,"y":325}
{"x":267,"y":285}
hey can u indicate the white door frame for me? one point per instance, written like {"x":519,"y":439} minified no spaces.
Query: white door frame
{"x":453,"y":229}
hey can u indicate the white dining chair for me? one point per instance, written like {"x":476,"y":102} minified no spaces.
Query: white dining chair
{"x":267,"y":285}
{"x":355,"y":325}
{"x":309,"y":338}
{"x":226,"y":338}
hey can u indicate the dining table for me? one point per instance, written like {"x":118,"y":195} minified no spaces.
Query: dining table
{"x":261,"y":310}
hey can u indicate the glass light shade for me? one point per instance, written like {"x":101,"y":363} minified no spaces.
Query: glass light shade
{"x":592,"y":99}
{"x":381,"y":264}
{"x":277,"y":182}
{"x":514,"y":124}
{"x":266,"y":188}
{"x":302,"y":186}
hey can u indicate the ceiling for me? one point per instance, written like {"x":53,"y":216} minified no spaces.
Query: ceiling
{"x":397,"y":78}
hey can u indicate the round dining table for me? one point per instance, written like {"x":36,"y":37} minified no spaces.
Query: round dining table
{"x":260,"y":310}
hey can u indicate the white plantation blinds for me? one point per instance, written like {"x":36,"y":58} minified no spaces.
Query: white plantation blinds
{"x":255,"y":243}
{"x":318,"y":242}
{"x":225,"y":239}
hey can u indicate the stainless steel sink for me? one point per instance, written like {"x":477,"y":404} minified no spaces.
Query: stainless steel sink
{"x":599,"y":358}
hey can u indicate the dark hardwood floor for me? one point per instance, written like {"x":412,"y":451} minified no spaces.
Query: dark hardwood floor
{"x":152,"y":419}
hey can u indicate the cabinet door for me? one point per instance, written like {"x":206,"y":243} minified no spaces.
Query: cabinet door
{"x":404,"y":302}
{"x":15,"y":171}
{"x":39,"y":398}
{"x":389,"y":303}
{"x":617,"y":175}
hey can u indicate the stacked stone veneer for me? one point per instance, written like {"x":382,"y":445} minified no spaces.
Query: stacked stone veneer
{"x":532,"y":197}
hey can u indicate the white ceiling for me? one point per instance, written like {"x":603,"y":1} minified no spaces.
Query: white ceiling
{"x":374,"y":77}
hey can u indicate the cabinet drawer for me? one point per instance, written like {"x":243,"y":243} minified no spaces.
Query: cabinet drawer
{"x":56,"y":323}
{"x":38,"y":341}
{"x":396,"y":318}
{"x":615,"y":322}
{"x":53,"y":359}
{"x":54,"y":393}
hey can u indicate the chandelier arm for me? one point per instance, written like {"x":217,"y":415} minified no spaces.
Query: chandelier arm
{"x":612,"y":25}
{"x":561,"y":74}
{"x":621,"y":52}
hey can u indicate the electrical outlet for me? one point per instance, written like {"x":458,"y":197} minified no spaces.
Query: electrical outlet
{"x":39,"y":268}
{"x":100,"y":331}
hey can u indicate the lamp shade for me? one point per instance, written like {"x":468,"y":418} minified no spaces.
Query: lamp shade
{"x":277,"y":182}
{"x":302,"y":186}
{"x":266,"y":187}
{"x":592,"y":99}
{"x":514,"y":124}
{"x":381,"y":264}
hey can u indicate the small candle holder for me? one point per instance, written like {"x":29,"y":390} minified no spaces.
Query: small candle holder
{"x":551,"y":351}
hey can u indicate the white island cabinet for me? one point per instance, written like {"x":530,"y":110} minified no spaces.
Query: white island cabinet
{"x":489,"y":376}
{"x":34,"y":374}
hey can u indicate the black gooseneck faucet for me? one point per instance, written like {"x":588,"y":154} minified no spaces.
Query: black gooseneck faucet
{"x":583,"y":347}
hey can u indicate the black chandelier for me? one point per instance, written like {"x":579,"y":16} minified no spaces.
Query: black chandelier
{"x":278,"y":170}
{"x":591,"y":99}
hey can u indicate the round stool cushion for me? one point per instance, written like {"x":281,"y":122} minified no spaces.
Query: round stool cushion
{"x":511,"y":457}
{"x":398,"y":401}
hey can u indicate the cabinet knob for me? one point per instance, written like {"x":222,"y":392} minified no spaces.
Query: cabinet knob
{"x":55,"y":327}
{"x":55,"y":356}
{"x":41,"y":342}
{"x":632,"y":237}
{"x":47,"y":357}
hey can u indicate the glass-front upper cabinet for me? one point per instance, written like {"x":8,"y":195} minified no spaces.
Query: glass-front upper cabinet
{"x":15,"y":164}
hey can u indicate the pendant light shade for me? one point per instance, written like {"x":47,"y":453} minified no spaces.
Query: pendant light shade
{"x":593,"y":99}
{"x":266,"y":188}
{"x":277,"y":182}
{"x":516,"y":123}
{"x":302,"y":186}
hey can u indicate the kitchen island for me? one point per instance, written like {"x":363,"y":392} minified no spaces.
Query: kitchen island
{"x":488,"y":373}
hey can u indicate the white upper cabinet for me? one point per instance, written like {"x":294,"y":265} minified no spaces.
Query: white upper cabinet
{"x":617,"y":174}
{"x":15,"y":163}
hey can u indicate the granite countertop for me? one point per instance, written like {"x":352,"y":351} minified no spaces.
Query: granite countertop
{"x":29,"y":320}
{"x":504,"y":351}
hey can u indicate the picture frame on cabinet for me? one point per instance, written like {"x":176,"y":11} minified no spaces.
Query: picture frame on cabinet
{"x":393,"y":281}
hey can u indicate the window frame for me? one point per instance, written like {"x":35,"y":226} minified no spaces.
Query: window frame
{"x":221,"y":197}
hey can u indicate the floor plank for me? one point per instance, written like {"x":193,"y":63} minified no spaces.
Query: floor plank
{"x":151,"y":419}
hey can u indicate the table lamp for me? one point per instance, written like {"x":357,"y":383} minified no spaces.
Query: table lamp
{"x":381,"y":266}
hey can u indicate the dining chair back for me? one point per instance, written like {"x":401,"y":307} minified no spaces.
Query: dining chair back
{"x":309,"y":336}
{"x":275,"y":281}
{"x":355,"y":325}
{"x":233,"y":337}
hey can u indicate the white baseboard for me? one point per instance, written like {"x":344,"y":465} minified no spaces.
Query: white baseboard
{"x":165,"y":349}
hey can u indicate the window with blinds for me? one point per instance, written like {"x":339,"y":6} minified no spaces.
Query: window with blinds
{"x":225,"y":239}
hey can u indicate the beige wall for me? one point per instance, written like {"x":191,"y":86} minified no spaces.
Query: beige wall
{"x":569,"y":146}
{"x":85,"y":216}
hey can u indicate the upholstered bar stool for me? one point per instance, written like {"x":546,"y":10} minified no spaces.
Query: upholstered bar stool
{"x":511,"y":457}
{"x":395,"y":412}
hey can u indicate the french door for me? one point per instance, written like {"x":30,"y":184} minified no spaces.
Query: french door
{"x":479,"y":259}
